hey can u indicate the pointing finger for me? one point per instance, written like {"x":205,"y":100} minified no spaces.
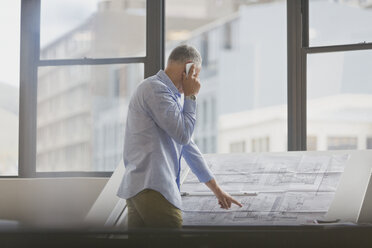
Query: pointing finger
{"x":236,"y":202}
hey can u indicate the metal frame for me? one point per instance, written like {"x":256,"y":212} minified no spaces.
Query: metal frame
{"x":296,"y":85}
{"x":30,"y":50}
{"x":155,"y":37}
{"x":30,"y":61}
{"x":73,"y":174}
{"x":338,"y":48}
{"x":89,"y":61}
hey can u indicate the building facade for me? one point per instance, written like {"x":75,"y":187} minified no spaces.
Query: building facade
{"x":338,"y":122}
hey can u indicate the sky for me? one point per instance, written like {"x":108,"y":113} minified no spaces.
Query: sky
{"x":57,"y":17}
{"x":9,"y":41}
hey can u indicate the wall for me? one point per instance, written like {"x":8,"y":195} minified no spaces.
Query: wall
{"x":48,"y":201}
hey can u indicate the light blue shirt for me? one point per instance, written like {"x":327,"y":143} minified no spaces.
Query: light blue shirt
{"x":158,"y":132}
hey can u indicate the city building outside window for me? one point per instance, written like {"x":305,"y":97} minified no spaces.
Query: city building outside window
{"x":342,"y":143}
{"x":243,"y":45}
{"x":339,"y":91}
{"x":369,"y":143}
{"x":237,"y":147}
{"x":10,"y":11}
{"x":311,"y":142}
{"x":227,"y":37}
{"x":83,"y":107}
{"x":204,"y":51}
{"x":261,"y":144}
{"x":205,"y":113}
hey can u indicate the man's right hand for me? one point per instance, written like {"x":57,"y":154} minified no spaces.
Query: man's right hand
{"x":191,"y":82}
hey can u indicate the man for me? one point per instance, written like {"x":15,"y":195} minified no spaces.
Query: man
{"x":158,"y":132}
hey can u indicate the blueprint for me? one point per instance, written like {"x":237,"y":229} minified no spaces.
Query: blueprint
{"x":291,"y":189}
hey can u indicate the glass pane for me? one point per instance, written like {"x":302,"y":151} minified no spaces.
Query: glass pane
{"x":9,"y":85}
{"x":242,"y":101}
{"x":92,"y":29}
{"x":339,"y":108}
{"x":339,"y":22}
{"x":81,"y":115}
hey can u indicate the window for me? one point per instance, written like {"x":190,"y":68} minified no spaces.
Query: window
{"x":260,"y":144}
{"x":338,"y":77}
{"x":237,"y":147}
{"x":243,"y":78}
{"x":349,"y":25}
{"x":9,"y":86}
{"x":339,"y":96}
{"x":78,"y":85}
{"x":89,"y":29}
{"x":342,"y":143}
{"x":80,"y":121}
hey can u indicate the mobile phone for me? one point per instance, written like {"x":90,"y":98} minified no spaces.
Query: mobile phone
{"x":188,"y":66}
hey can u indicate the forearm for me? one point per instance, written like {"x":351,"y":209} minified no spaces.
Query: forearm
{"x":213,"y":186}
{"x":196,"y":162}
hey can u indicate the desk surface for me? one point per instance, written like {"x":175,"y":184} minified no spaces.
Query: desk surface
{"x":263,"y":236}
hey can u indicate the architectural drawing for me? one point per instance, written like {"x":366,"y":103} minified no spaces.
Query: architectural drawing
{"x":292,"y":189}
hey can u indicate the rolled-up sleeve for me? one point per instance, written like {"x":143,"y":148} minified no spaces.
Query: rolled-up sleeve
{"x":165,"y":111}
{"x":196,"y":162}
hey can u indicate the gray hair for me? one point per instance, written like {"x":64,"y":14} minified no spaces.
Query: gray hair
{"x":184,"y":53}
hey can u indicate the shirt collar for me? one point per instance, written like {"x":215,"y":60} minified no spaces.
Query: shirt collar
{"x":168,"y":82}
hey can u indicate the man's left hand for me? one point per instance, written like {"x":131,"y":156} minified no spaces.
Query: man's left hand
{"x":224,"y":199}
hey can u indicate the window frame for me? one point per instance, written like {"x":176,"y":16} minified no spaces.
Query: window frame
{"x":30,"y":62}
{"x":297,"y":50}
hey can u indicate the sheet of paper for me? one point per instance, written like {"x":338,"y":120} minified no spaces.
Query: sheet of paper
{"x":292,"y":189}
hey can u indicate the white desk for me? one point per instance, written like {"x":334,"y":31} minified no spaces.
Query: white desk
{"x":109,"y":210}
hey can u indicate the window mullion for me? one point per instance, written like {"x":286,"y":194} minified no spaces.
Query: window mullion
{"x":154,"y":37}
{"x":30,"y":50}
{"x":296,"y":59}
{"x":85,"y":61}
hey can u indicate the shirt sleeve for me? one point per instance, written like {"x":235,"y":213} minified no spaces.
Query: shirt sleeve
{"x":167,"y":114}
{"x":196,"y":162}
